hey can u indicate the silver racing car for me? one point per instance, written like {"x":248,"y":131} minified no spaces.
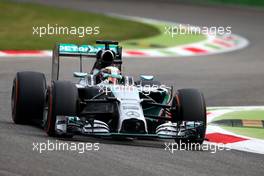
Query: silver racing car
{"x":105,"y":102}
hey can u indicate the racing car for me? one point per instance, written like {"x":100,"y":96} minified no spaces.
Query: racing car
{"x":105,"y":102}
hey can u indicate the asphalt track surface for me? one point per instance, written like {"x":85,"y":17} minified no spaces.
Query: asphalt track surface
{"x":234,"y":78}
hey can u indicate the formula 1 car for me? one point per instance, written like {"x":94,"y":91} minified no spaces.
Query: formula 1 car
{"x":105,"y":102}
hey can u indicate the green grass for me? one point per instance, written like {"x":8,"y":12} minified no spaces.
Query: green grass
{"x":164,"y":40}
{"x":17,"y":21}
{"x":239,"y":2}
{"x":243,"y":115}
{"x":247,"y":131}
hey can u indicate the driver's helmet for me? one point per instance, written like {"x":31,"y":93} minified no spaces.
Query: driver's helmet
{"x":111,"y":74}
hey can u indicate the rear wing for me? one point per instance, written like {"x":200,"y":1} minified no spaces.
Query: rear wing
{"x":87,"y":51}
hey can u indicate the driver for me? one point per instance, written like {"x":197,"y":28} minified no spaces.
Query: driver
{"x":110,"y":74}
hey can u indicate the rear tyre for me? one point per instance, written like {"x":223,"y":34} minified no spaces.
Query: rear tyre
{"x":62,"y":100}
{"x":28,"y":97}
{"x":191,"y":108}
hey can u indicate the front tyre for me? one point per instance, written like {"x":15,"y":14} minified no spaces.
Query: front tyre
{"x":28,"y":97}
{"x":191,"y":108}
{"x":62,"y":100}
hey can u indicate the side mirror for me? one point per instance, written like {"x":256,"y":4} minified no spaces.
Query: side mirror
{"x":80,"y":74}
{"x":146,"y":77}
